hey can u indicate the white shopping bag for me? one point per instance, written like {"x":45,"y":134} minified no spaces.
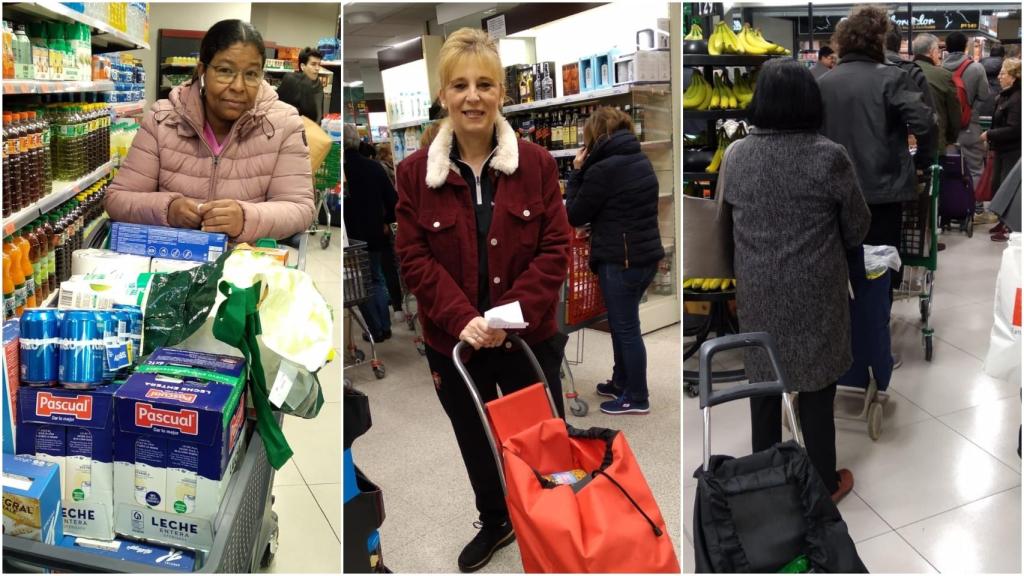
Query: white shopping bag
{"x":1003,"y":359}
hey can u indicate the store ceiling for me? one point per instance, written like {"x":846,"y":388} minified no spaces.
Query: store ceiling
{"x":833,"y":8}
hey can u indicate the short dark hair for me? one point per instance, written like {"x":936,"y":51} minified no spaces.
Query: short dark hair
{"x":306,"y":53}
{"x":227,"y":33}
{"x":956,"y":42}
{"x":997,"y":51}
{"x":786,"y":97}
{"x":825,"y":52}
{"x":893,"y":37}
{"x":863,"y":32}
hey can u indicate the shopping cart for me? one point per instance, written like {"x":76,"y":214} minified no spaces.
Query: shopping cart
{"x":327,"y":182}
{"x":919,"y":252}
{"x":408,"y":304}
{"x":358,"y":288}
{"x":245,"y":537}
{"x":561,"y":530}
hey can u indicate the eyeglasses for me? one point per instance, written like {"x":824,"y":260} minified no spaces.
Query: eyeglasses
{"x":225,"y":75}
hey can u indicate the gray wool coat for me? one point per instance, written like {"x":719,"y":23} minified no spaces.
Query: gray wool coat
{"x":796,"y":208}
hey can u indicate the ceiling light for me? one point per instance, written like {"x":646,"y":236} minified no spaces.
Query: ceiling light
{"x":357,"y":18}
{"x":404,"y":42}
{"x":355,"y":84}
{"x":1001,"y":14}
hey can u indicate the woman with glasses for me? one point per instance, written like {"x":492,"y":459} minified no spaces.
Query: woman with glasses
{"x":222,"y":153}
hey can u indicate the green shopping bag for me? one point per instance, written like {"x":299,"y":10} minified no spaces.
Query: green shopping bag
{"x":178,"y":303}
{"x":238,"y":324}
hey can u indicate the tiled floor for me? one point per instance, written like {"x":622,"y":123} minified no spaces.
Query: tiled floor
{"x":411,"y":452}
{"x":308,"y":488}
{"x":940,"y":491}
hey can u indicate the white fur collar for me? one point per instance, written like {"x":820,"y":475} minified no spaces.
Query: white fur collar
{"x":505,"y":158}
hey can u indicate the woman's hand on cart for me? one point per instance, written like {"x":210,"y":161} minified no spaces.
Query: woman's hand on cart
{"x":225,"y":216}
{"x":478,"y":335}
{"x":184,"y":213}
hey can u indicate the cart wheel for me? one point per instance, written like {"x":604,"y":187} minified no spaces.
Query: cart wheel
{"x":359,"y":355}
{"x":325,"y":241}
{"x":875,"y":420}
{"x":970,"y":227}
{"x":379,"y":372}
{"x":691,"y":390}
{"x":271,"y":550}
{"x":313,"y":231}
{"x":926,"y":307}
{"x":928,"y":348}
{"x":578,"y":407}
{"x":421,"y":348}
{"x":410,"y":322}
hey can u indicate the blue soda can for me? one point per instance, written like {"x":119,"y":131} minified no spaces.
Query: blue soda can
{"x":81,"y":349}
{"x":135,"y":332}
{"x":124,"y":336}
{"x":39,"y":352}
{"x":108,"y":322}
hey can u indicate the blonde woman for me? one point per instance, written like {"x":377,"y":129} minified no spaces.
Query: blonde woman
{"x":481,"y":224}
{"x":1003,"y":137}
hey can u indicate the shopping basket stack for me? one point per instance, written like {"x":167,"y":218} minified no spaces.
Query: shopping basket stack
{"x":357,"y":287}
{"x":604,"y":520}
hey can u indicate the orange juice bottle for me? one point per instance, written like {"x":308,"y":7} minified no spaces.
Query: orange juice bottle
{"x":8,"y":289}
{"x":27,"y":269}
{"x":17,"y":276}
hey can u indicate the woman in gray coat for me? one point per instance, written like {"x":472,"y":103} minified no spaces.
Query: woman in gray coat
{"x":796,"y":209}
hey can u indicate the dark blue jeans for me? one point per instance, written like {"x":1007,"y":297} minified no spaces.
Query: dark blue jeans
{"x":375,"y":310}
{"x":622,"y":289}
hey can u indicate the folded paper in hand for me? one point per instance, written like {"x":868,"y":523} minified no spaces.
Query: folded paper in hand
{"x":506,"y":317}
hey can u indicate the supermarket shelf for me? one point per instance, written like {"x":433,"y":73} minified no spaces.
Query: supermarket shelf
{"x":700,"y":175}
{"x":727,"y":60}
{"x":177,"y":66}
{"x":408,"y":124}
{"x":105,"y":37}
{"x":332,"y":63}
{"x":583,"y":97}
{"x":89,"y":238}
{"x":128,"y":108}
{"x":713,"y":114}
{"x":281,"y":70}
{"x":652,"y":145}
{"x":55,"y":86}
{"x":570,"y":153}
{"x":63,"y":191}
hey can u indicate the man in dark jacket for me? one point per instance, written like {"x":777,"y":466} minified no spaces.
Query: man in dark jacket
{"x":369,"y":209}
{"x":927,"y":58}
{"x":892,"y":56}
{"x":302,"y":88}
{"x":992,"y":64}
{"x":976,"y":85}
{"x":826,"y":61}
{"x":869,"y":107}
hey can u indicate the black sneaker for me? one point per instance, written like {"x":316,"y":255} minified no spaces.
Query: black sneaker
{"x":482,"y":547}
{"x":609,"y":389}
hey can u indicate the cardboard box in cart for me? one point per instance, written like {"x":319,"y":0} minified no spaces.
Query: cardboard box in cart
{"x":163,"y":242}
{"x":75,"y":430}
{"x":179,"y":418}
{"x":31,"y":499}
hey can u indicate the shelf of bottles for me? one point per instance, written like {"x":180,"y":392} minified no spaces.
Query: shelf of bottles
{"x":116,"y":25}
{"x":61,"y":192}
{"x":13,"y":86}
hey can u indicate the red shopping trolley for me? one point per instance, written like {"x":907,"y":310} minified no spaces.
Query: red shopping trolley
{"x":605,"y":521}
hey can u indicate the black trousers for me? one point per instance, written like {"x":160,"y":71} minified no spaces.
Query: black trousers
{"x":389,"y":265}
{"x":817,"y":422}
{"x":886,"y":222}
{"x":490,"y":368}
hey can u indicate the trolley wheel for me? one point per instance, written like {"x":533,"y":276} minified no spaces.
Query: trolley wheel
{"x":969,"y":225}
{"x":875,"y":420}
{"x":579,"y":407}
{"x":928,"y":348}
{"x":691,"y":390}
{"x":926,"y":307}
{"x":410,"y":322}
{"x":272,"y":544}
{"x":379,"y":372}
{"x":359,"y":355}
{"x":313,"y":231}
{"x":421,"y":348}
{"x":325,"y":241}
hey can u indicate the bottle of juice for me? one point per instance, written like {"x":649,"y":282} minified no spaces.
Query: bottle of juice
{"x":8,"y":289}
{"x":38,"y":257}
{"x":34,"y":155}
{"x":47,"y":162}
{"x":51,"y":256}
{"x":17,"y":276}
{"x":26,"y":269}
{"x":8,"y":50}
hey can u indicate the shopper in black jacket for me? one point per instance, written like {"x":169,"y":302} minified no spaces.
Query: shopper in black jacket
{"x":1004,"y":136}
{"x":369,"y":209}
{"x":992,"y":64}
{"x":869,"y":107}
{"x":615,"y":190}
{"x":893,"y":38}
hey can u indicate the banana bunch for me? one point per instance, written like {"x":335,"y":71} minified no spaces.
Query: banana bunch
{"x":698,"y":96}
{"x":752,"y":42}
{"x":724,"y":41}
{"x":743,"y":88}
{"x":708,"y":284}
{"x":716,"y":160}
{"x":695,"y":33}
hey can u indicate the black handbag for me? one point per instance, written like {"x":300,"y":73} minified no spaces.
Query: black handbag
{"x":758,"y":513}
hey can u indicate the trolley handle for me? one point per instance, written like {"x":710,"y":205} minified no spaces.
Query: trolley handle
{"x":481,"y":408}
{"x":709,"y":397}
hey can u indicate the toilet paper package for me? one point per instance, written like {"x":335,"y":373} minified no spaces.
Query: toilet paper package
{"x":179,"y":420}
{"x":104,"y":291}
{"x":164,"y":242}
{"x":75,"y":430}
{"x":31,"y":499}
{"x":103,"y":261}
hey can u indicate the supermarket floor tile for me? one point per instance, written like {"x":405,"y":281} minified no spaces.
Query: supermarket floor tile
{"x":983,"y":536}
{"x":689,"y":566}
{"x":920,"y":470}
{"x":890,"y":554}
{"x":328,"y":498}
{"x":862,"y":522}
{"x":288,"y":475}
{"x":317,"y":445}
{"x":411,"y":452}
{"x":993,"y":426}
{"x":307,"y":542}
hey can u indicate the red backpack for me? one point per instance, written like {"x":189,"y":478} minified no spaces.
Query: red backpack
{"x":961,"y":94}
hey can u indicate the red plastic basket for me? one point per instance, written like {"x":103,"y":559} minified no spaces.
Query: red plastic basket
{"x":583,"y":299}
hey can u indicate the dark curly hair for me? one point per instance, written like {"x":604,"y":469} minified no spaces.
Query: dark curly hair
{"x":863,"y":31}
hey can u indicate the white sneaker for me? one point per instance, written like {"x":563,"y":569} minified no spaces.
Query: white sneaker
{"x":897,"y":361}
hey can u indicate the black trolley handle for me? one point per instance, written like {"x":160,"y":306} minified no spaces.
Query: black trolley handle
{"x":709,"y":397}
{"x":482,"y":409}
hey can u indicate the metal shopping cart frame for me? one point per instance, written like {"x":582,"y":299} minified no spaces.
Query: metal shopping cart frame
{"x":357,"y":281}
{"x":919,"y":252}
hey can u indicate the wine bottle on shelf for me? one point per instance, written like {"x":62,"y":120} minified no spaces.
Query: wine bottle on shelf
{"x":556,"y":132}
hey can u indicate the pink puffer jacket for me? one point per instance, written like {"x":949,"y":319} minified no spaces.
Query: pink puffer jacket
{"x":264,"y":165}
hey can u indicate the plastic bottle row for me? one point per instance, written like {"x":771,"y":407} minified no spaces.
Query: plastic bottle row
{"x":37,"y":258}
{"x":47,"y":51}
